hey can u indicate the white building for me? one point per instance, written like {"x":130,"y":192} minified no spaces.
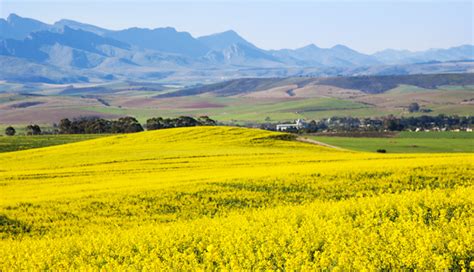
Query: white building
{"x":300,"y":123}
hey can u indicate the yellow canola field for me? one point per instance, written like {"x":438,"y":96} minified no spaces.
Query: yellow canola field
{"x":222,"y":198}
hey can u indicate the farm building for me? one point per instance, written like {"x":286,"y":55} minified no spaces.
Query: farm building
{"x":300,"y":123}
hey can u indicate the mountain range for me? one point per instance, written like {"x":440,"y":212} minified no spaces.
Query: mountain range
{"x":69,"y":51}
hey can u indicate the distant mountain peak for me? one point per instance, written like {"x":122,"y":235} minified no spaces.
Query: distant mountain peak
{"x":81,"y":26}
{"x":12,"y":17}
{"x":166,"y":39}
{"x":311,"y":46}
{"x":223,"y":40}
{"x":341,"y":47}
{"x":17,"y":27}
{"x":169,"y":28}
{"x":229,"y":32}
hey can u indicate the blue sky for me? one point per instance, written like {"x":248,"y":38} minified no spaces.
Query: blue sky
{"x":367,"y":26}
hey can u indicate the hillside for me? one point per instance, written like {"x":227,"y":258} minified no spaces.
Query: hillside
{"x":231,"y":198}
{"x":366,"y":84}
{"x":240,"y":101}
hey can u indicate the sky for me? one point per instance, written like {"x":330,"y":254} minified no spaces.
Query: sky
{"x":366,"y":26}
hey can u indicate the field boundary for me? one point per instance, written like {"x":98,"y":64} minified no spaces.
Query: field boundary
{"x":310,"y":141}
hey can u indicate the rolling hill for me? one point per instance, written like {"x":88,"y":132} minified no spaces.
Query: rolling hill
{"x":248,"y":101}
{"x":366,"y":84}
{"x":221,"y":197}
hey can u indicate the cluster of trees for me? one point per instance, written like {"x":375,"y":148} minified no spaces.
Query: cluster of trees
{"x":128,"y":124}
{"x":440,"y":122}
{"x":30,"y":130}
{"x":389,"y":123}
{"x":93,"y":125}
{"x":415,"y":107}
{"x":182,"y":121}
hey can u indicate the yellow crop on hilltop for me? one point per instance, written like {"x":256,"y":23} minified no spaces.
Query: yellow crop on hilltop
{"x":232,"y":199}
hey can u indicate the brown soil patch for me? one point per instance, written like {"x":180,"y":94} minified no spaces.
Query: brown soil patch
{"x":45,"y":115}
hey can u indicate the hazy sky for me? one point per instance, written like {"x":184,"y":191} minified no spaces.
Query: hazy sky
{"x":366,"y":26}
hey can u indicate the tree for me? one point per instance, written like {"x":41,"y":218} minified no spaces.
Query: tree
{"x":154,"y":123}
{"x":97,"y":126}
{"x":185,"y":121}
{"x":206,"y":121}
{"x":65,"y":126}
{"x":10,"y":131}
{"x":392,"y":124}
{"x":33,"y":130}
{"x":413,"y":107}
{"x":126,"y":125}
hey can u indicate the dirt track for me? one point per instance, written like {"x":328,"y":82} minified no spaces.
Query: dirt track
{"x":310,"y":141}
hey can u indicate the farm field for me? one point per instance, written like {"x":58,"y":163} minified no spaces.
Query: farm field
{"x":17,"y":143}
{"x":282,"y":102}
{"x":224,"y":198}
{"x":406,"y":142}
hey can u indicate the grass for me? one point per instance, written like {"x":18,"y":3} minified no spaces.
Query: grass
{"x":402,"y":89}
{"x":407,"y":142}
{"x":17,"y":143}
{"x":437,"y":135}
{"x":235,"y":199}
{"x":240,"y":110}
{"x":289,"y":110}
{"x":246,"y":109}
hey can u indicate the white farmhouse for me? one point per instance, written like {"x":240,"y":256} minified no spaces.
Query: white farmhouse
{"x":300,"y":123}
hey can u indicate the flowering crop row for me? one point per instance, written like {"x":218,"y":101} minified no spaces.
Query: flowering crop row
{"x":232,"y":199}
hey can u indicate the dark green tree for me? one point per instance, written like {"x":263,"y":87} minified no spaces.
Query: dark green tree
{"x":186,"y":121}
{"x":414,"y":107}
{"x":206,"y":121}
{"x":33,"y":130}
{"x":65,"y":126}
{"x":154,"y":123}
{"x":126,"y":125}
{"x":10,"y":131}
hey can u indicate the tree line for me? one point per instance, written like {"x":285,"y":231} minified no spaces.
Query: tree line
{"x":388,"y":123}
{"x":32,"y":129}
{"x":95,"y":125}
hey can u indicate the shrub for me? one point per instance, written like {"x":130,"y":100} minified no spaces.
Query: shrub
{"x":413,"y":107}
{"x":10,"y":131}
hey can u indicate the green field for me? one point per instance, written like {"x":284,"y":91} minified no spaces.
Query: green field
{"x":241,"y":110}
{"x":317,"y":104}
{"x":16,"y":143}
{"x":406,"y":142}
{"x":437,"y":135}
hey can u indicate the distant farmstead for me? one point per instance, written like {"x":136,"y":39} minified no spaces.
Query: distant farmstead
{"x":300,"y":124}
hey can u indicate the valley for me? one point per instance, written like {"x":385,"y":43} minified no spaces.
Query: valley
{"x":243,"y":101}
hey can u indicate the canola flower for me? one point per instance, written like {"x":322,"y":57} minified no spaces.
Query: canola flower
{"x":218,"y":198}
